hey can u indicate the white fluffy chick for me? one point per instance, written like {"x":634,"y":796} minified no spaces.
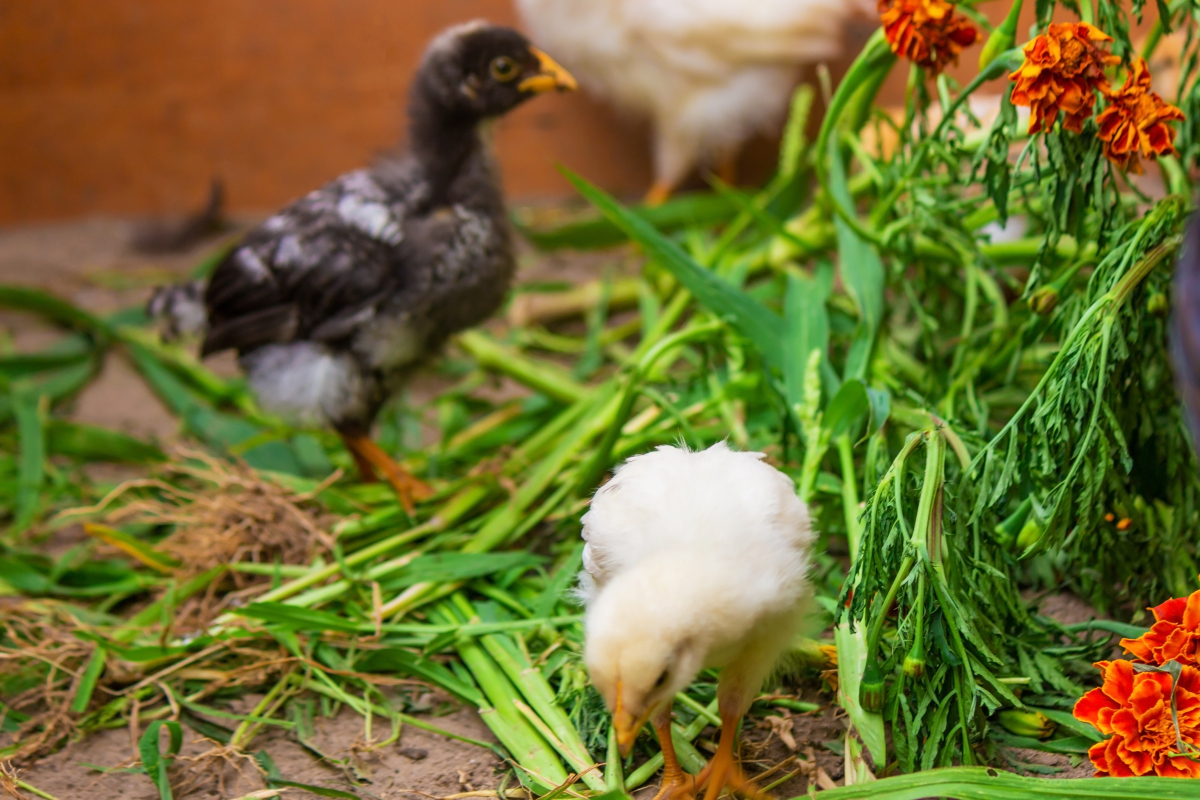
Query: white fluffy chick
{"x":708,"y":74}
{"x":693,"y":560}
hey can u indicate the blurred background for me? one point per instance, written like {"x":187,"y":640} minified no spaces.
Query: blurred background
{"x":132,"y":107}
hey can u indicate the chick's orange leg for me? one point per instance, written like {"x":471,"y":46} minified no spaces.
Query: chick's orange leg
{"x":367,"y":454}
{"x":676,"y":784}
{"x":722,"y":771}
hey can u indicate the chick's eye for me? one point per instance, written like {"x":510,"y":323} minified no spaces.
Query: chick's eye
{"x":662,"y":680}
{"x":504,"y":69}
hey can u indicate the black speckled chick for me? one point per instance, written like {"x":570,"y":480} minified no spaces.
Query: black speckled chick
{"x":332,"y":301}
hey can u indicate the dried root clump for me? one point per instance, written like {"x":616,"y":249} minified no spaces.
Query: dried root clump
{"x":40,"y":663}
{"x":226,"y":513}
{"x":214,"y":770}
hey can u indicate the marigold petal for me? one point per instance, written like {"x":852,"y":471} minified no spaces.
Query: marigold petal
{"x":1088,"y":708}
{"x":1098,"y":753}
{"x":1171,"y":611}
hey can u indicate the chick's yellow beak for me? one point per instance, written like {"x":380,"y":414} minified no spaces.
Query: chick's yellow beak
{"x":626,"y":726}
{"x":551,"y":76}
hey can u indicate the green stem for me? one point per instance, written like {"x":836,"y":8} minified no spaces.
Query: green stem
{"x":849,"y":494}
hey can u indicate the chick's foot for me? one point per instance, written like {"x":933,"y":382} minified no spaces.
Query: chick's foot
{"x":722,"y":771}
{"x":677,"y":787}
{"x":676,"y":784}
{"x":370,"y":457}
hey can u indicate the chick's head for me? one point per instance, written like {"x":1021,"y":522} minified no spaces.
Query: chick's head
{"x":484,"y":70}
{"x":637,"y":655}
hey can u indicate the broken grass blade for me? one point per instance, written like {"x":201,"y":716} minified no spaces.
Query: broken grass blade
{"x":29,"y":408}
{"x":966,"y":783}
{"x":87,"y":682}
{"x":132,"y":546}
{"x":541,"y":376}
{"x":523,"y":741}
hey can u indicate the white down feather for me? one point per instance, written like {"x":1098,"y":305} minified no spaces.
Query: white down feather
{"x":692,"y":559}
{"x":707,"y":73}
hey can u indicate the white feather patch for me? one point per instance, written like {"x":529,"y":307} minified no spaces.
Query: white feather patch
{"x":305,"y":382}
{"x":373,"y":219}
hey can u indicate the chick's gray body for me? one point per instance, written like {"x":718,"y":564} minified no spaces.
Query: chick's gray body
{"x":333,"y":299}
{"x":330,"y":302}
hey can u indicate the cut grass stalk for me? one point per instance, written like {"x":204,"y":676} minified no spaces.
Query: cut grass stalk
{"x":514,"y":731}
{"x":559,"y":731}
{"x":541,"y":376}
{"x":981,"y":783}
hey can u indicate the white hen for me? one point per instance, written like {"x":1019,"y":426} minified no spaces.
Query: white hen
{"x":693,"y":560}
{"x":708,"y":74}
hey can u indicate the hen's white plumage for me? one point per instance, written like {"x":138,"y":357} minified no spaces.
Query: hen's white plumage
{"x":707,"y":73}
{"x":692,"y":560}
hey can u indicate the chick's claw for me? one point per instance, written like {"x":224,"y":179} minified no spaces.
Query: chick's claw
{"x":677,"y":787}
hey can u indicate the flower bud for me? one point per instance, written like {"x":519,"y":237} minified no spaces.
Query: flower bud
{"x":1157,"y":304}
{"x":1043,"y":301}
{"x":1030,"y":535}
{"x":870,"y":691}
{"x":1002,"y":38}
{"x":914,"y":662}
{"x":1033,"y":724}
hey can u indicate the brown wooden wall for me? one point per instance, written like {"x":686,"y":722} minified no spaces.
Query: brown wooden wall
{"x":132,"y":106}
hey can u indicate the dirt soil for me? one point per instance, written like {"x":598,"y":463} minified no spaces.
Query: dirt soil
{"x":421,"y":763}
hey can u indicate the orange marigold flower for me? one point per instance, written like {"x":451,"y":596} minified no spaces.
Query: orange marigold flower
{"x":1175,"y":635}
{"x":1134,"y":709}
{"x":1062,"y":70}
{"x":926,"y":32}
{"x":1135,"y":122}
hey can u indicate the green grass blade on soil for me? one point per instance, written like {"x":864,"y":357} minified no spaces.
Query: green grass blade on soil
{"x":981,"y":783}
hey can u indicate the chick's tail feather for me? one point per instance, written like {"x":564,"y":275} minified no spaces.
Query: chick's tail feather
{"x":180,"y":309}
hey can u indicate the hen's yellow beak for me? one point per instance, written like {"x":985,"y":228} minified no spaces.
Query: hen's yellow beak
{"x":627,"y":727}
{"x":551,"y":76}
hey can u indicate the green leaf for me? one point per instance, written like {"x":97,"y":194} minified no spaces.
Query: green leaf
{"x":22,"y":365}
{"x":275,"y":780}
{"x":861,"y":270}
{"x":29,"y":410}
{"x":847,"y":408}
{"x":87,"y":683}
{"x":678,"y":212}
{"x":132,"y":546}
{"x":397,"y":660}
{"x":447,"y":567}
{"x":754,"y":320}
{"x":298,"y":619}
{"x":44,"y":304}
{"x":806,"y":324}
{"x":154,"y":760}
{"x":93,"y":443}
{"x":1071,"y":722}
{"x":881,"y":408}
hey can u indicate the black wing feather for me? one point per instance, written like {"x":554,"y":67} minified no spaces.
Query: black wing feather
{"x":316,"y":269}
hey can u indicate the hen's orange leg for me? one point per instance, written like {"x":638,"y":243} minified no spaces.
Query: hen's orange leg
{"x":676,"y":784}
{"x":370,"y":457}
{"x":722,"y":771}
{"x":659,"y":193}
{"x":727,"y":169}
